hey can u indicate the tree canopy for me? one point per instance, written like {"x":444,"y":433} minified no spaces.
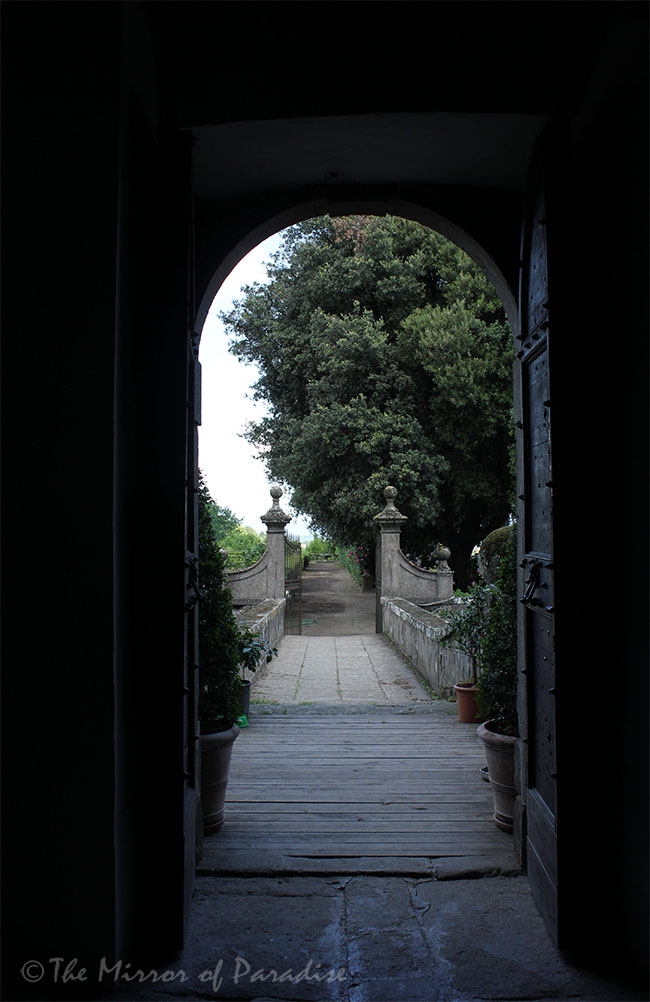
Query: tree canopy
{"x":385,"y":358}
{"x":224,"y":521}
{"x":243,"y":544}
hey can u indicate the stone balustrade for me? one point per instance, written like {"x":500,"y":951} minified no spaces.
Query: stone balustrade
{"x":264,"y":580}
{"x":396,"y":576}
{"x":418,"y":634}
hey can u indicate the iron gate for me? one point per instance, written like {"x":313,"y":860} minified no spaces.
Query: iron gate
{"x":292,"y":585}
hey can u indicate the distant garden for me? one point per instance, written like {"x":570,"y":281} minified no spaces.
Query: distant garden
{"x":244,"y":546}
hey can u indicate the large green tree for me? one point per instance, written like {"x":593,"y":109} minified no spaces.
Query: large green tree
{"x":224,"y":521}
{"x":385,"y":357}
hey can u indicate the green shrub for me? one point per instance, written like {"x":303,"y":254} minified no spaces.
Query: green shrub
{"x":492,"y":551}
{"x":219,"y":637}
{"x":252,"y":649}
{"x":497,"y":681}
{"x":244,"y":547}
{"x":356,"y":559}
{"x":467,"y":626}
{"x":317,"y":546}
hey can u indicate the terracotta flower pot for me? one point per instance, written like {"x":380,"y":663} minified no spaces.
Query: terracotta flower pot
{"x":216,"y":750}
{"x":466,"y":698}
{"x":500,"y":756}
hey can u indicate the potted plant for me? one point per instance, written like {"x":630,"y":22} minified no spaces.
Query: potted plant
{"x":466,"y":632}
{"x":497,"y":686}
{"x":219,"y":678}
{"x":252,"y":648}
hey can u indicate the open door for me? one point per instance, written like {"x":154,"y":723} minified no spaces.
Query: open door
{"x":192,"y":822}
{"x":192,"y":819}
{"x":536,"y":632}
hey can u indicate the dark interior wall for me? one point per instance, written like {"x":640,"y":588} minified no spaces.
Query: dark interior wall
{"x":333,"y":57}
{"x":59,"y":260}
{"x":95,"y":259}
{"x":149,"y":502}
{"x":491,"y":219}
{"x":600,"y":370}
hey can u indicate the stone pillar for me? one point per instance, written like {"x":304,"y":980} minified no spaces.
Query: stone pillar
{"x":275,"y":520}
{"x":390,"y":522}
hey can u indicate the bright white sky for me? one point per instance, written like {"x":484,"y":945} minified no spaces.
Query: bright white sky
{"x":235,"y":478}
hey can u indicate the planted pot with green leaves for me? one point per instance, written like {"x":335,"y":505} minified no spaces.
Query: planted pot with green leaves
{"x":467,"y":628}
{"x":254,"y":649}
{"x":497,"y":686}
{"x":219,"y":674}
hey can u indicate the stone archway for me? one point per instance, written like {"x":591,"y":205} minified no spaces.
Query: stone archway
{"x":394,"y":207}
{"x":423,"y":215}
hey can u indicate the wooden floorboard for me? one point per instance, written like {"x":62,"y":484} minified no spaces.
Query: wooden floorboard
{"x":391,"y":790}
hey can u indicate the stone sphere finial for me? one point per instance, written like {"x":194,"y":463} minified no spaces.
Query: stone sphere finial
{"x":390,"y":493}
{"x":275,"y":516}
{"x":390,"y":514}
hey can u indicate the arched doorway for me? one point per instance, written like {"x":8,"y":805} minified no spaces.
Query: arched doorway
{"x":535,"y":544}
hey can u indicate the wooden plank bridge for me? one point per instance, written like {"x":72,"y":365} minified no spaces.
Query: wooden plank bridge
{"x":372,"y":791}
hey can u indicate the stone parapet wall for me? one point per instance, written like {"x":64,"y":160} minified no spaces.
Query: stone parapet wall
{"x":252,"y":585}
{"x":417,"y":584}
{"x":267,"y":619}
{"x":418,"y":633}
{"x":266,"y":578}
{"x":397,"y":576}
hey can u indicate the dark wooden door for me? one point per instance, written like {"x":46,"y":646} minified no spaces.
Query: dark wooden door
{"x":192,"y":818}
{"x":536,"y":654}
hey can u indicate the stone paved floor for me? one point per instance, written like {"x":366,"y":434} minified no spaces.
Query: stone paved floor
{"x":336,"y":669}
{"x":369,"y":939}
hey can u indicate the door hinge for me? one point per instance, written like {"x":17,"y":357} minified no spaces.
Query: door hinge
{"x":532,"y":581}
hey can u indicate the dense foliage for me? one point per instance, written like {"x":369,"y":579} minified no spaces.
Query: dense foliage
{"x":219,"y":636}
{"x":254,"y":650}
{"x":357,"y":559}
{"x":497,"y":681}
{"x":385,"y":358}
{"x":467,"y":626}
{"x":223,"y":520}
{"x":244,"y":546}
{"x":485,"y":628}
{"x":316,"y":549}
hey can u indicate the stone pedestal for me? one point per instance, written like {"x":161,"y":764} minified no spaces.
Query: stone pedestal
{"x":276,"y":521}
{"x":265,"y":579}
{"x":396,"y":576}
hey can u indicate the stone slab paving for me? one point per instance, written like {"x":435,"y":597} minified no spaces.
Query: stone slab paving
{"x":339,"y":669}
{"x":365,"y":939}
